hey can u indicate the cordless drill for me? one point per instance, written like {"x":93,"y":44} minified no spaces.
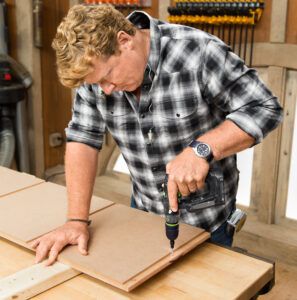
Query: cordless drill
{"x":211,"y":195}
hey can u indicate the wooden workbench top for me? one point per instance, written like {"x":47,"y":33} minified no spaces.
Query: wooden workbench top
{"x":208,"y":272}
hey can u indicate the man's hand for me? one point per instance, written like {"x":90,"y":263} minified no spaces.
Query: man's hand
{"x":187,"y":173}
{"x":52,"y":243}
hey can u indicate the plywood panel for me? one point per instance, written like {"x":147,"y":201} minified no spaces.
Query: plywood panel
{"x":129,"y":246}
{"x":12,"y":181}
{"x":35,"y":211}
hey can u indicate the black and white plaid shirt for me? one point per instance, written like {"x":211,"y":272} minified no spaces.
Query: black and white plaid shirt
{"x":192,"y":83}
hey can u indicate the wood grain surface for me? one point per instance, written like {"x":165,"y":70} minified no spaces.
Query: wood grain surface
{"x":12,"y":181}
{"x":32,"y":212}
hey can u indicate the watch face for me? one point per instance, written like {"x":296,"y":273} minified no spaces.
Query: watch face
{"x":203,"y":150}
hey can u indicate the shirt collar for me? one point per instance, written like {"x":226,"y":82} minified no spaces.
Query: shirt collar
{"x":139,"y":19}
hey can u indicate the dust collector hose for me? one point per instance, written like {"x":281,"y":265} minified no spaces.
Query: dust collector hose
{"x":7,"y":142}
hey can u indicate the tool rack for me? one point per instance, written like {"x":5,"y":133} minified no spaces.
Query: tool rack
{"x":232,"y":21}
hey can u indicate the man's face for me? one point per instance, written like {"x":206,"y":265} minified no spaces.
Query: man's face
{"x":122,"y":71}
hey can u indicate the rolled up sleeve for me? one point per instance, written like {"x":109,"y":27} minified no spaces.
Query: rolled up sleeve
{"x":238,"y":91}
{"x":86,"y":125}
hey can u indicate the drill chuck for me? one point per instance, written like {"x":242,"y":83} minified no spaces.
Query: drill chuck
{"x":172,"y":226}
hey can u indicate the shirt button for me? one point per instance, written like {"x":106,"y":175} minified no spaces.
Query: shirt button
{"x":154,"y":168}
{"x":142,"y":116}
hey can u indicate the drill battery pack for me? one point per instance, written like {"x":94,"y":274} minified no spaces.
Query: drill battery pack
{"x":211,"y":195}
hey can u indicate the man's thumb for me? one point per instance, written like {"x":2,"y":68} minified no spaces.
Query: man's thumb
{"x":83,"y":245}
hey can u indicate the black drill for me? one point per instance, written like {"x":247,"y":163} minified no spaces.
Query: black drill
{"x":211,"y":195}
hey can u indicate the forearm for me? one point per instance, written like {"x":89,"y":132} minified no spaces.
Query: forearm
{"x":80,"y":165}
{"x":227,"y":139}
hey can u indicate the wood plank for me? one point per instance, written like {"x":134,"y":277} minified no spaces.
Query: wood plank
{"x":271,"y":148}
{"x":291,"y":36}
{"x":269,"y":54}
{"x":278,"y":21}
{"x":12,"y":181}
{"x":258,"y":152}
{"x":286,"y":145}
{"x":33,"y":212}
{"x":129,"y":246}
{"x":33,"y":280}
{"x":56,"y":105}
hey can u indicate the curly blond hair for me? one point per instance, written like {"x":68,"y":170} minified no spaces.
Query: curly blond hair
{"x":86,"y":32}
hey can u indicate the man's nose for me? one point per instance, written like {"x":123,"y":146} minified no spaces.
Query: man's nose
{"x":108,"y":88}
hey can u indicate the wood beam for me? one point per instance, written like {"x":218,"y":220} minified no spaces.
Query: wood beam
{"x":286,"y":145}
{"x":278,"y":21}
{"x":269,"y":54}
{"x":270,"y":154}
{"x":34,"y":280}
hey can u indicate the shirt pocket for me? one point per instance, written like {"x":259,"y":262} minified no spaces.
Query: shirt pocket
{"x":114,"y":110}
{"x":177,"y":109}
{"x":177,"y":120}
{"x":179,"y":112}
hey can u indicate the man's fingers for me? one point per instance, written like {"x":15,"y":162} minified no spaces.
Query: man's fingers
{"x":54,"y":252}
{"x":192,"y":186}
{"x":172,"y":195}
{"x":52,"y":257}
{"x":42,"y":252}
{"x":34,"y":243}
{"x":183,"y":188}
{"x":83,"y":245}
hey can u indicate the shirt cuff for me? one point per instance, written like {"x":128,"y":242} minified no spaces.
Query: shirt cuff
{"x":92,"y":140}
{"x":247,"y":124}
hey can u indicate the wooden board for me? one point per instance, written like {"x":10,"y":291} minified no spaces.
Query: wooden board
{"x":12,"y":181}
{"x":34,"y":280}
{"x":129,"y":246}
{"x":28,"y":214}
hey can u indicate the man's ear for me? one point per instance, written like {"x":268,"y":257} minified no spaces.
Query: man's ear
{"x":124,"y":40}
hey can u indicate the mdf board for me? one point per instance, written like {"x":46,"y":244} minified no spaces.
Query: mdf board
{"x":12,"y":181}
{"x":129,"y":246}
{"x":32,"y":212}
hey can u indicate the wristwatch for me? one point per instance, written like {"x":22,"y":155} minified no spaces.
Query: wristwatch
{"x":202,"y":150}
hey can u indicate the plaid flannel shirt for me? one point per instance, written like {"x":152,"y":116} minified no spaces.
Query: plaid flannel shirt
{"x":192,"y":83}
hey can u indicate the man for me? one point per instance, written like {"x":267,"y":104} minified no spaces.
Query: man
{"x":176,"y":101}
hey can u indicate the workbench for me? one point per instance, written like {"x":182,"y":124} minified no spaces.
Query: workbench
{"x":208,"y":272}
{"x":31,"y":207}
